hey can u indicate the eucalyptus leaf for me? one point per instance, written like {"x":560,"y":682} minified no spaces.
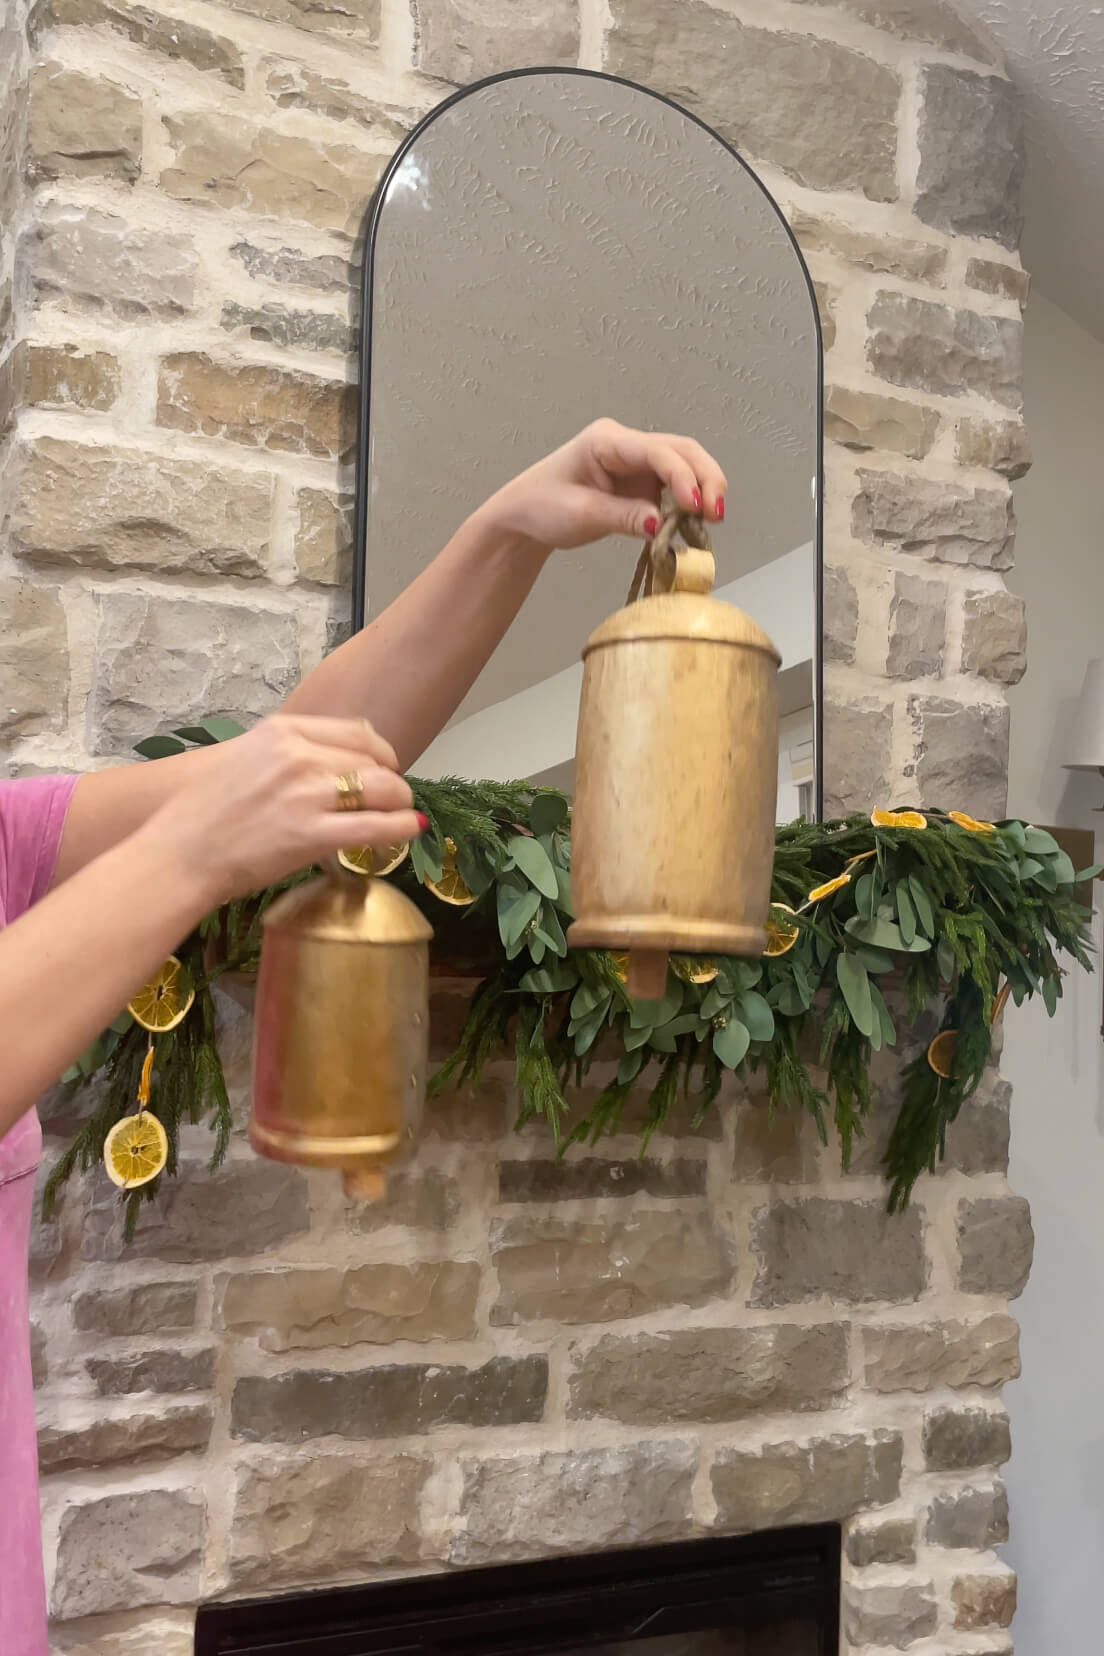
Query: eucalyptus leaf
{"x":883,"y":1017}
{"x":1051,"y":992}
{"x":474,"y":871}
{"x":864,"y":895}
{"x":651,"y":1014}
{"x":1038,"y":843}
{"x":731,"y":1043}
{"x":547,"y":813}
{"x":553,"y":931}
{"x":159,"y":747}
{"x":515,"y":910}
{"x":715,"y":1000}
{"x":1062,"y":869}
{"x":855,"y":988}
{"x":754,"y":1011}
{"x":537,"y":946}
{"x":1029,"y":867}
{"x":535,"y":863}
{"x":876,"y":961}
{"x":630,"y":1067}
{"x":921,"y":902}
{"x":906,"y":913}
{"x":563,"y":890}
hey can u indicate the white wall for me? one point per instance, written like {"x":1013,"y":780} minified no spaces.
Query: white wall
{"x":1056,"y":1478}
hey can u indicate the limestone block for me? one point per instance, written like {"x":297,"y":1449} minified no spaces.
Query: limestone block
{"x":576,"y":1272}
{"x":826,"y":114}
{"x":366,"y":1304}
{"x":971,"y":170}
{"x":921,"y":1356}
{"x":221,"y":159}
{"x":307,"y":1520}
{"x":34,"y":660}
{"x":937,"y":348}
{"x":974,"y":1518}
{"x":171,"y":37}
{"x":121,"y":1552}
{"x":994,"y":636}
{"x":819,"y":1248}
{"x":164,"y":660}
{"x":578,"y":1501}
{"x":109,"y":1440}
{"x":88,"y":259}
{"x":945,"y":522}
{"x":119,"y":508}
{"x":961,"y":755}
{"x":393,"y":1400}
{"x":711,"y":1375}
{"x":140,"y":1308}
{"x":82,"y":126}
{"x":917,"y":627}
{"x":820,"y":1481}
{"x":957,"y":1439}
{"x":461,"y":40}
{"x":243,"y":1208}
{"x":324,"y":537}
{"x":995,"y":1244}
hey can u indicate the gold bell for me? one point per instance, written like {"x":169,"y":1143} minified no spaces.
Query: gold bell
{"x":676,"y":770}
{"x":341,"y":1031}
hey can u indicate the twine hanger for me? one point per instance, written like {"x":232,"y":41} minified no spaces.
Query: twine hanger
{"x":664,"y":567}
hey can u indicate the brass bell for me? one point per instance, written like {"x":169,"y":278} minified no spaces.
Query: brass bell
{"x":340,"y":1039}
{"x":676,"y":770}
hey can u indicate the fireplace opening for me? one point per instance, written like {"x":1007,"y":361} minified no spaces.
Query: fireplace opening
{"x":775,"y":1594}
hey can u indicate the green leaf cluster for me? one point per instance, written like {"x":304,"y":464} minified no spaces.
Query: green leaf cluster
{"x":935,"y":918}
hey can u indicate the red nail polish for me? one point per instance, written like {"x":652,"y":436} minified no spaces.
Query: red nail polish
{"x":697,"y":499}
{"x":423,"y":822}
{"x":651,"y":525}
{"x":720,"y":508}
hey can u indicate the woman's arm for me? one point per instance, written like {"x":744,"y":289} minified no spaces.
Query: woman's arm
{"x":72,"y":961}
{"x":411,"y":668}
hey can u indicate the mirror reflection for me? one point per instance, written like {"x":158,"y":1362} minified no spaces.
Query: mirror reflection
{"x":551,"y":247}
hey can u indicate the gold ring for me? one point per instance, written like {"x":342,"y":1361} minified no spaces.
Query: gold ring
{"x":350,"y":792}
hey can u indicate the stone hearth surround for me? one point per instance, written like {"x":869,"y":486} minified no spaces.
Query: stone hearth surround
{"x":728,"y":1334}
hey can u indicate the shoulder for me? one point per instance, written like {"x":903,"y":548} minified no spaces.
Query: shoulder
{"x":32,"y":816}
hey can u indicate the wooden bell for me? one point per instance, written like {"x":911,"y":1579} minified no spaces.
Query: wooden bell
{"x":676,"y":770}
{"x":341,"y":1032}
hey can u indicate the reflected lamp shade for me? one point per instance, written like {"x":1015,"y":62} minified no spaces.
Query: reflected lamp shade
{"x":1084,"y":746}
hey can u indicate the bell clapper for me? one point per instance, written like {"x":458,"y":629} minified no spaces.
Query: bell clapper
{"x":365,"y":1184}
{"x":646,"y":974}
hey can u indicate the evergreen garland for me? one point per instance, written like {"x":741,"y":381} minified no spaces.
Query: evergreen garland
{"x":943,"y":908}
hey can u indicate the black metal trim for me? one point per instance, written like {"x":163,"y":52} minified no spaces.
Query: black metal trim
{"x":552,"y":1604}
{"x":370,"y":226}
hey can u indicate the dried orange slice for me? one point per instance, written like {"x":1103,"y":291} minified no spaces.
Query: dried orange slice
{"x":693,"y":969}
{"x":450,"y":888}
{"x":135,"y":1150}
{"x":781,"y":935}
{"x":941,"y":1053}
{"x":165,"y":1000}
{"x":971,"y":824}
{"x":898,"y":819}
{"x":374,"y":859}
{"x":620,"y":965}
{"x":829,"y":887}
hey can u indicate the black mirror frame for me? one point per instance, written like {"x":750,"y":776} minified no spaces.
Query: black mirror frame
{"x":369,"y":229}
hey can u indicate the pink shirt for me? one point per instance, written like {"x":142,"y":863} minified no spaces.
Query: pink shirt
{"x":32,"y":815}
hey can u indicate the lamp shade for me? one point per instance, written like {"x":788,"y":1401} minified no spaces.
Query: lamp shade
{"x":1085,"y":742}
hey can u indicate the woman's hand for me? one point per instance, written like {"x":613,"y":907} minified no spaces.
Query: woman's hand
{"x":267,"y":804}
{"x":606,"y":481}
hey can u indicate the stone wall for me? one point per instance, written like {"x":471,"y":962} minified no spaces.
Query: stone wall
{"x":513,"y":1354}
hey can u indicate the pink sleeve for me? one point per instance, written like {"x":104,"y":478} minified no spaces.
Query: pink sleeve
{"x":32,"y":816}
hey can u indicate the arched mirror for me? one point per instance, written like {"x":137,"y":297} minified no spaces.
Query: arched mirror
{"x":551,"y":246}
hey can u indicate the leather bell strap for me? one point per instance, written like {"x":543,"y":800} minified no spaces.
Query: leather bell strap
{"x":664,"y":567}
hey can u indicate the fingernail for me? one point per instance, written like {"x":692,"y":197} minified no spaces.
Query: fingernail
{"x":697,"y":499}
{"x":651,"y":526}
{"x":720,"y":508}
{"x":423,"y":822}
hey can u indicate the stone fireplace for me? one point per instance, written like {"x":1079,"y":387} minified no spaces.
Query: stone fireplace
{"x":513,"y":1356}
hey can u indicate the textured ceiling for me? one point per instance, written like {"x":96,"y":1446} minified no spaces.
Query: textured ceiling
{"x":1055,"y":53}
